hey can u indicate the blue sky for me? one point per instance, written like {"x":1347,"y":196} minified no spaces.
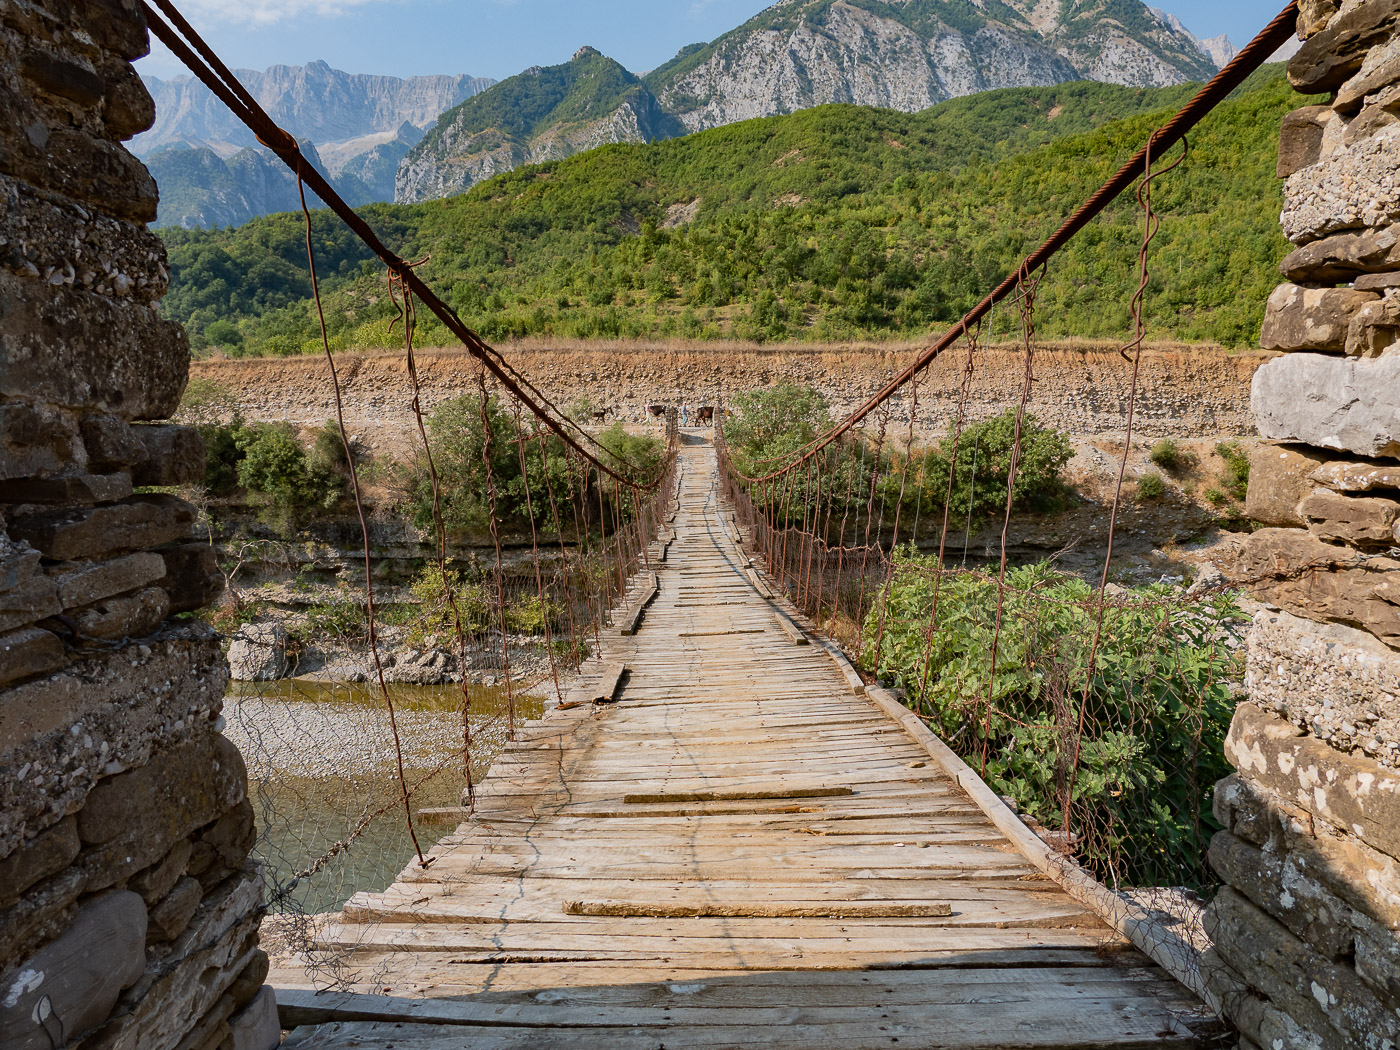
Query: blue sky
{"x":499,"y":38}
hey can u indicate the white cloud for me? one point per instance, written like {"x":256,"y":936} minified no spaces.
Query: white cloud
{"x":266,"y":12}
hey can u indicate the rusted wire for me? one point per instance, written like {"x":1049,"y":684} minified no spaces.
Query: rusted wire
{"x":1255,"y":54}
{"x":187,"y":45}
{"x":364,"y":532}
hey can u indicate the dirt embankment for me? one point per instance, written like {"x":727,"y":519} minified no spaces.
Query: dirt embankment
{"x":1183,"y":391}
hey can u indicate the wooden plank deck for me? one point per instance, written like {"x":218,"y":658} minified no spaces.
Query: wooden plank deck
{"x":741,"y":851}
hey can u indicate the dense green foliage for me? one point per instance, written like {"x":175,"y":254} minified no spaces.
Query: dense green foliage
{"x":980,"y":462}
{"x":1154,"y":713}
{"x":830,"y":223}
{"x":494,"y":461}
{"x":268,"y":463}
{"x":589,"y":87}
{"x":767,"y":426}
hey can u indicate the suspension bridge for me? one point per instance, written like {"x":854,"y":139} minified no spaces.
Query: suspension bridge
{"x":732,"y":848}
{"x":724,"y":836}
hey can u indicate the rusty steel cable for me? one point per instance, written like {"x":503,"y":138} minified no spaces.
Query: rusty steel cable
{"x":364,"y":532}
{"x":1255,"y":54}
{"x":187,"y":45}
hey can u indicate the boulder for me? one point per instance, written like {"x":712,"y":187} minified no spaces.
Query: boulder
{"x":1353,"y":188}
{"x":1322,"y":996}
{"x":1361,"y":521}
{"x":81,"y":350}
{"x":1329,"y":57}
{"x":173,"y":455}
{"x":256,"y":1026}
{"x":1313,"y":16}
{"x":1380,"y":69}
{"x":170,"y":916}
{"x":129,"y":616}
{"x":1349,"y":792}
{"x":192,"y":577}
{"x":1303,"y":137}
{"x":258,"y":653}
{"x":131,"y":821}
{"x":1299,"y":318}
{"x":1299,"y":573}
{"x":111,"y":443}
{"x":1345,"y":475}
{"x":1375,"y":328}
{"x":1380,"y":111}
{"x":27,"y":652}
{"x":72,"y":983}
{"x":1340,"y":683}
{"x":1347,"y":404}
{"x":1280,"y":476}
{"x":68,"y":490}
{"x":1343,"y":256}
{"x":36,"y":439}
{"x":82,"y":583}
{"x":93,"y":532}
{"x":47,"y":853}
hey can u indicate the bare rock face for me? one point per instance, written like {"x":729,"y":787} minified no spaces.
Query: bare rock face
{"x":803,"y":53}
{"x":1347,"y":404}
{"x":796,"y":55}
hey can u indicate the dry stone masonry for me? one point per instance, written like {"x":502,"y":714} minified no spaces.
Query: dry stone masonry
{"x":1307,"y":927}
{"x":128,"y":907}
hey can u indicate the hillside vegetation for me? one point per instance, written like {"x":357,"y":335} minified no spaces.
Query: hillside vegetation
{"x":834,"y":223}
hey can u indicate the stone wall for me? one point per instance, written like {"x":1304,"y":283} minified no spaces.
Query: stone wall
{"x":1307,"y":928}
{"x":128,"y":908}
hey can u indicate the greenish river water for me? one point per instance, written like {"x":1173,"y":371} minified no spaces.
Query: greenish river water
{"x":323,"y":777}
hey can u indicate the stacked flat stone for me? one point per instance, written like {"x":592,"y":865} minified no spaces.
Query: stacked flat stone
{"x":1307,"y":927}
{"x":128,"y":907}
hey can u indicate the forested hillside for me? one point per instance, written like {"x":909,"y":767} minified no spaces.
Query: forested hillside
{"x":834,"y":223}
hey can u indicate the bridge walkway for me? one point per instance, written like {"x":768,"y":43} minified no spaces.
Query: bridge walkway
{"x":740,"y":851}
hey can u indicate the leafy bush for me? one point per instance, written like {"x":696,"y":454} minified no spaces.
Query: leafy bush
{"x":1151,"y":487}
{"x":983,"y":467}
{"x":464,"y":443}
{"x":1235,"y":476}
{"x":1154,"y":718}
{"x":268,"y":463}
{"x":434,"y":617}
{"x":1170,"y":456}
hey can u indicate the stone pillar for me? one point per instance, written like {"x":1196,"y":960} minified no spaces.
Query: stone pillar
{"x":128,"y":907}
{"x":1307,"y":927}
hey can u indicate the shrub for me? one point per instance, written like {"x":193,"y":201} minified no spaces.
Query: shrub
{"x":1158,"y":703}
{"x":434,"y":594}
{"x":983,"y":467}
{"x":1235,"y":476}
{"x":1151,"y":487}
{"x":276,"y":468}
{"x":1216,"y":498}
{"x":1170,"y":456}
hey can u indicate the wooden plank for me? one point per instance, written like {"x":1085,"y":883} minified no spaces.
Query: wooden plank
{"x":812,"y":791}
{"x":755,"y":909}
{"x":632,"y":618}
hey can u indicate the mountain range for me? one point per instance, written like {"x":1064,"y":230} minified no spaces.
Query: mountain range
{"x":429,"y":137}
{"x":358,"y":128}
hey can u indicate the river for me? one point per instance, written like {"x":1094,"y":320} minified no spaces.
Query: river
{"x":321,"y":762}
